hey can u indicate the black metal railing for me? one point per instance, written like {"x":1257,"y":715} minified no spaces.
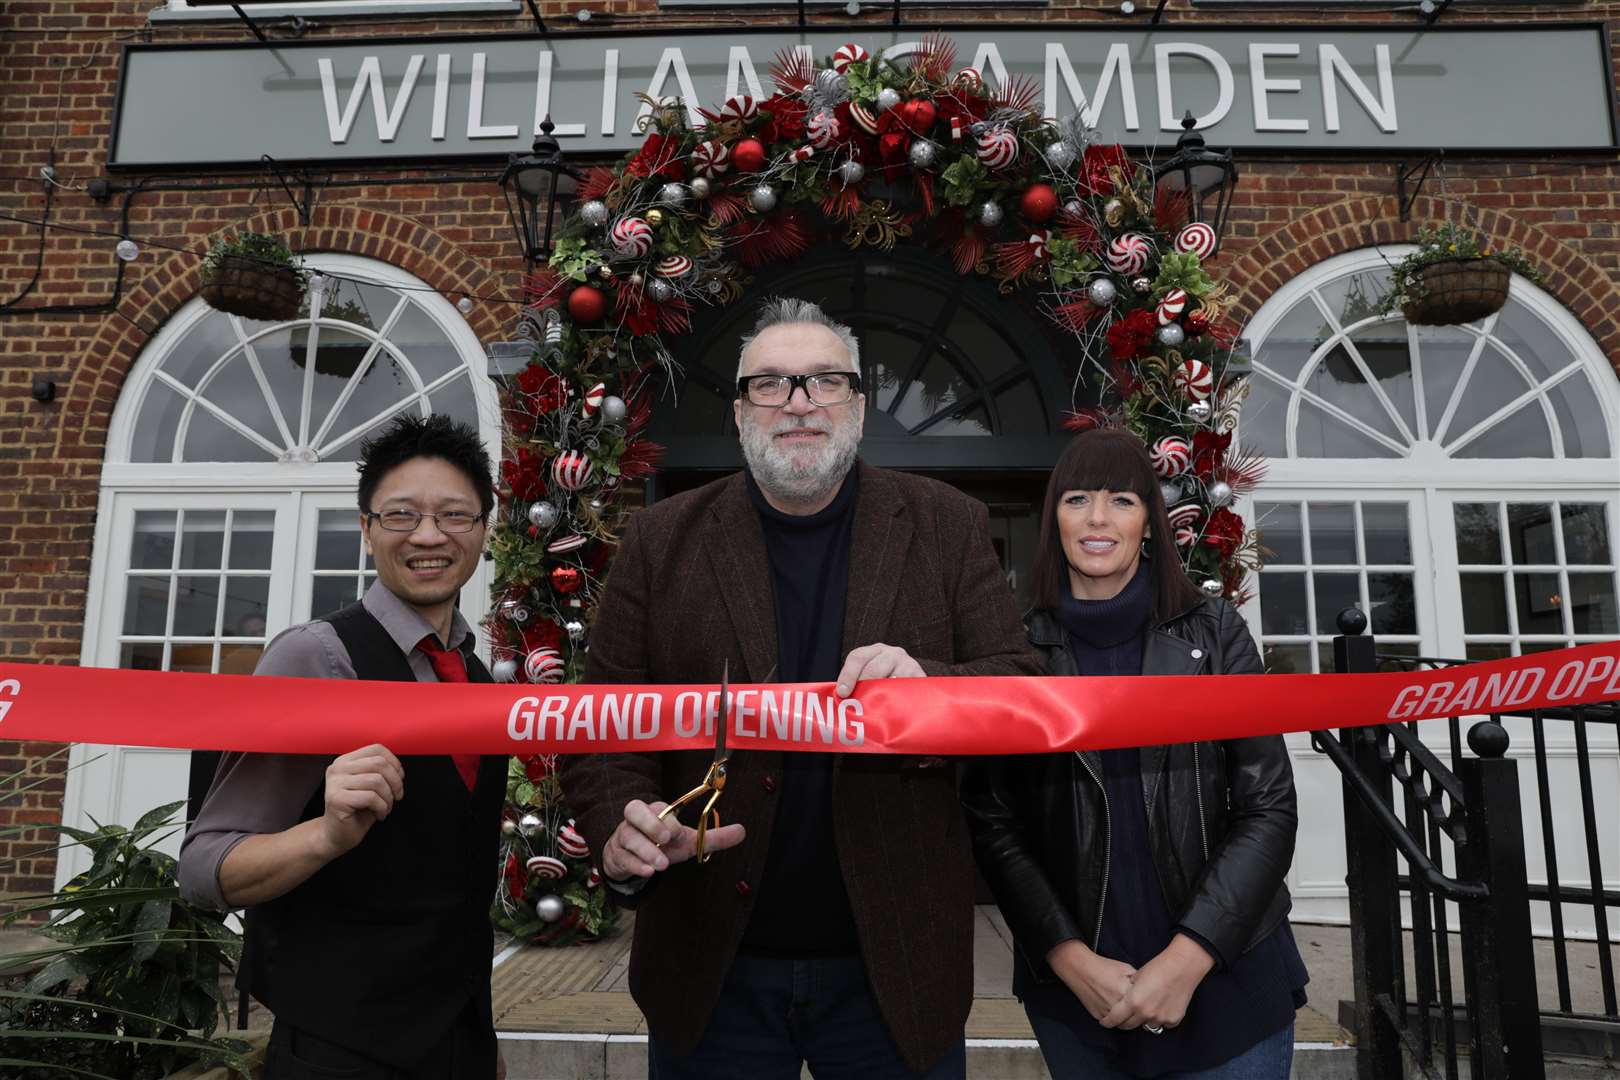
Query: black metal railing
{"x":1458,"y":827}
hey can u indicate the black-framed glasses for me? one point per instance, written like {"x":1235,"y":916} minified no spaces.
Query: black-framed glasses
{"x":448,"y":521}
{"x":823,"y":388}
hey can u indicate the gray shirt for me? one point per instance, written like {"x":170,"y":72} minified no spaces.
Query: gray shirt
{"x":267,"y":793}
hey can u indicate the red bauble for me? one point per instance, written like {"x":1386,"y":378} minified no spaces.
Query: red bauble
{"x":1196,"y":323}
{"x":1039,"y":203}
{"x":587,"y":304}
{"x":748,"y":155}
{"x":566,"y":579}
{"x":918,"y":115}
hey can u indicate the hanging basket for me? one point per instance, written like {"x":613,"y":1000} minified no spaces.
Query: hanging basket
{"x":1456,"y":291}
{"x":254,"y":290}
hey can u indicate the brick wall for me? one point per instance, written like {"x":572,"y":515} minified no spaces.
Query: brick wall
{"x":58,"y":72}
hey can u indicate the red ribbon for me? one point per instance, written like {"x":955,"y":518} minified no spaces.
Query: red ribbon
{"x":977,"y":715}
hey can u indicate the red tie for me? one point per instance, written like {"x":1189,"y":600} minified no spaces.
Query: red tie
{"x":450,"y":666}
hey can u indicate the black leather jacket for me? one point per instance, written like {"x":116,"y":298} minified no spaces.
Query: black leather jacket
{"x":1221,"y":816}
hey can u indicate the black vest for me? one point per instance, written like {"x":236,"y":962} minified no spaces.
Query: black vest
{"x":382,"y":948}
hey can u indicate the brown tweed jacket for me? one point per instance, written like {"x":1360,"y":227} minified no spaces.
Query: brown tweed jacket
{"x":690,"y":589}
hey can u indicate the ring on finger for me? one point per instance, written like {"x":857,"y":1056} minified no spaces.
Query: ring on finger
{"x":1153,"y":1029}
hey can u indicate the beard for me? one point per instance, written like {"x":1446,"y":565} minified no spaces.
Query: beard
{"x":800,"y":474}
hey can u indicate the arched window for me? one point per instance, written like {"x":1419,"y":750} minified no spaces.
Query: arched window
{"x":1459,"y":484}
{"x":227,"y":508}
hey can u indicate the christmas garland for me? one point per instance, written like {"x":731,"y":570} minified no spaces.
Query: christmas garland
{"x":875,"y":151}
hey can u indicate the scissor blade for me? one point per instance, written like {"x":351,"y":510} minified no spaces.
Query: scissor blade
{"x":723,"y":720}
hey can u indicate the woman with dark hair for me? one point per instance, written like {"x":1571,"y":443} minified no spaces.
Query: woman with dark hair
{"x":1144,"y":886}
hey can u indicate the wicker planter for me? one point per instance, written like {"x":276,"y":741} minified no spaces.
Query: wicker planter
{"x":254,"y":290}
{"x":1458,"y":291}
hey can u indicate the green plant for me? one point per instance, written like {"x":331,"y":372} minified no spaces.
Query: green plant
{"x":1443,"y":243}
{"x":268,"y":251}
{"x":131,"y":990}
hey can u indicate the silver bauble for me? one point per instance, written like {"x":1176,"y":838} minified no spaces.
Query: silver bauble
{"x":888,"y":98}
{"x":991,"y":213}
{"x":1142,"y":285}
{"x":594,"y":213}
{"x":1170,"y":491}
{"x":1172,"y":335}
{"x":660,"y":290}
{"x":530,"y":824}
{"x":508,"y":827}
{"x":1074,"y":208}
{"x":1198,"y":411}
{"x":544,"y":515}
{"x":1220,"y":493}
{"x":550,"y":907}
{"x":465,"y":305}
{"x":763,"y":198}
{"x":923,"y":153}
{"x":1102,"y":291}
{"x":672,"y":194}
{"x":832,"y":85}
{"x":852,"y":172}
{"x":613,"y":410}
{"x":700,"y":187}
{"x":1060,"y":155}
{"x":504,"y":670}
{"x":1210,"y":587}
{"x":978,"y":127}
{"x":127,"y":250}
{"x":576,"y":630}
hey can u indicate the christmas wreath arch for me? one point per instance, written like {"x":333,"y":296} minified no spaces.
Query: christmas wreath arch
{"x":877,"y":152}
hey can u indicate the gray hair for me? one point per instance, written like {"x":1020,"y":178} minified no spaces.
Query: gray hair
{"x":781,"y":310}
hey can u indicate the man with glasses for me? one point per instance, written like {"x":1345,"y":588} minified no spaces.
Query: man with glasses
{"x":368,"y":929}
{"x":833,"y":924}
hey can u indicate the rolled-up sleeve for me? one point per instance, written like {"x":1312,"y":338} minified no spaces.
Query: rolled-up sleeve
{"x":260,"y":793}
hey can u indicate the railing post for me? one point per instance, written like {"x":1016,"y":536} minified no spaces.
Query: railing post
{"x":1375,"y":904}
{"x":1497,"y":948}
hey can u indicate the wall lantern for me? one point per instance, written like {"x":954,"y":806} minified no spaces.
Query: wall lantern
{"x":534,"y":183}
{"x":1205,"y":176}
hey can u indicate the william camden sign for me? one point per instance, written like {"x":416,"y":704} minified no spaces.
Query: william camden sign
{"x":1275,"y":88}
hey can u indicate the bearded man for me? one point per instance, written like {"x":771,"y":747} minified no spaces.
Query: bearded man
{"x":833,"y":924}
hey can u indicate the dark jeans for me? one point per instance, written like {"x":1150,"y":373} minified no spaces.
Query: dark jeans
{"x":774,"y":1015}
{"x":1069,"y":1058}
{"x":467,"y":1052}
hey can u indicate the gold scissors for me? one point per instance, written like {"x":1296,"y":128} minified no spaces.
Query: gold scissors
{"x":714,"y":782}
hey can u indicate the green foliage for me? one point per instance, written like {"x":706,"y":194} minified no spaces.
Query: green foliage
{"x":132,"y":989}
{"x":1182,"y":271}
{"x":963,"y":178}
{"x":1439,"y":243}
{"x":268,"y":250}
{"x":573,"y":258}
{"x":1069,"y":263}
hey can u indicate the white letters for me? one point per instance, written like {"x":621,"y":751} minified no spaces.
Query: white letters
{"x":1169,"y":118}
{"x":441,"y":95}
{"x":741,"y":64}
{"x":989,"y":63}
{"x":11,"y":688}
{"x":1118,"y":65}
{"x":1335,"y":66}
{"x":476,"y":128}
{"x":388,"y":117}
{"x":542,"y":99}
{"x":610,"y":90}
{"x":672,"y":62}
{"x":1260,"y":86}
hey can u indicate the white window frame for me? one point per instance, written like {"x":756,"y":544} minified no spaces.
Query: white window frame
{"x":326,"y":9}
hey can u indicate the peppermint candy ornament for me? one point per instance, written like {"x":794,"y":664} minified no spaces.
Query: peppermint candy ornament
{"x":571,"y":843}
{"x":1128,"y":253}
{"x":969,"y":80}
{"x":711,"y":159}
{"x":1171,"y":305}
{"x":1170,"y":455}
{"x":593,"y":399}
{"x":823,"y":129}
{"x":1186,"y":536}
{"x":544,"y":665}
{"x":863,"y":118}
{"x":673,"y":266}
{"x":739,"y":107}
{"x":997,"y":148}
{"x":632,"y":237}
{"x":1185,"y":515}
{"x":571,"y":470}
{"x":1196,"y":239}
{"x":846,"y":55}
{"x":803,"y":153}
{"x":1194,"y":378}
{"x":547,"y":866}
{"x":565,"y":544}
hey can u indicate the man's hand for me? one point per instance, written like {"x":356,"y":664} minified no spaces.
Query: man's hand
{"x":1158,"y":996}
{"x":642,"y":845}
{"x":877,"y":662}
{"x":361,"y":789}
{"x":1100,"y":983}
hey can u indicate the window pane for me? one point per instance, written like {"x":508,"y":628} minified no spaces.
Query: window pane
{"x":1491,"y":386}
{"x":210,"y":338}
{"x":1282,"y":603}
{"x":1292,"y":340}
{"x":384,"y":384}
{"x":1580,"y":418}
{"x":195,"y":656}
{"x":1523,"y":434}
{"x":1265,"y":416}
{"x":196,"y":606}
{"x":1479,"y":535}
{"x":146,"y":606}
{"x":239,"y":659}
{"x":1280,"y":532}
{"x":1528,"y":647}
{"x":252,"y":537}
{"x":332,"y":594}
{"x":337,"y":540}
{"x":209,"y":439}
{"x":1356,"y":297}
{"x":1530,"y":531}
{"x":246,"y":600}
{"x":234,"y":389}
{"x":1394,"y":609}
{"x":1333,"y":533}
{"x":1591,"y":604}
{"x":202,"y":541}
{"x":938,"y":387}
{"x":1484,"y":604}
{"x":153,"y":439}
{"x":1586,"y":534}
{"x":1334,"y":593}
{"x":1385,"y":533}
{"x":1321,"y":435}
{"x":1442,"y":353}
{"x":1338,"y":381}
{"x":1539,"y":603}
{"x":152,"y":545}
{"x":1488,"y":650}
{"x":1019,"y":409}
{"x":141,"y":657}
{"x":1290,"y":659}
{"x":972,"y":340}
{"x":1384,"y":350}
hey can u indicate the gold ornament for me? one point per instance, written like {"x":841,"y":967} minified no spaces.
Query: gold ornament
{"x":876,"y":226}
{"x":606,"y":272}
{"x":655,"y":217}
{"x":1114,"y":213}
